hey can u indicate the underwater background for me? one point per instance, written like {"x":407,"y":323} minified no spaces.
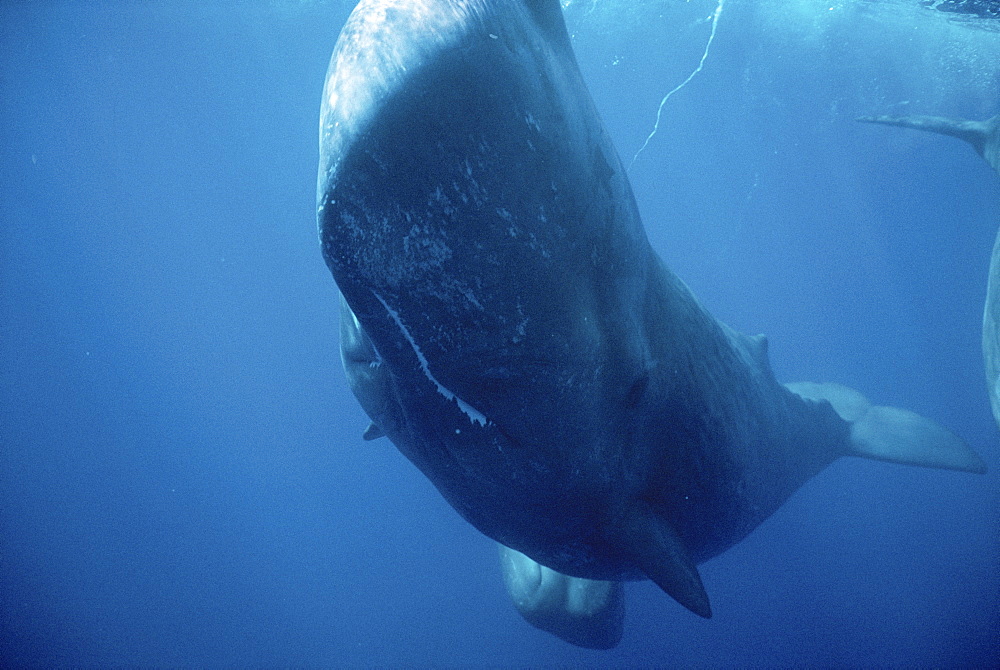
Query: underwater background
{"x":182,"y":475}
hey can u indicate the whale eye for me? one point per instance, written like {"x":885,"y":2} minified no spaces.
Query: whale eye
{"x":635,"y":393}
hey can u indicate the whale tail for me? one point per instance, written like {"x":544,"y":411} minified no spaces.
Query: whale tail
{"x":892,"y":434}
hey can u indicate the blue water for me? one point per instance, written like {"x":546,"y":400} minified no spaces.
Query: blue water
{"x":182,"y":477}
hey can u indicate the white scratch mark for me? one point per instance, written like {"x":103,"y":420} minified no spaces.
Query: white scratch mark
{"x":474,"y":415}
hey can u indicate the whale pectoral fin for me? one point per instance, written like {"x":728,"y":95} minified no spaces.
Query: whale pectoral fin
{"x":893,"y":434}
{"x":984,"y":136}
{"x":973,"y":132}
{"x":372,"y":432}
{"x":658,"y":551}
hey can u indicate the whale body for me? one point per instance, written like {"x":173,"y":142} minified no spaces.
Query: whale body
{"x":984,"y":136}
{"x":507,"y":325}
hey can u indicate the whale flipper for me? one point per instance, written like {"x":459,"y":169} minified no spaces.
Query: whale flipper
{"x":984,"y":136}
{"x":892,"y":434}
{"x":660,"y":553}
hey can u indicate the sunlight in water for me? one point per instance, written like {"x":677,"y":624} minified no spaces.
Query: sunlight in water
{"x":659,"y":111}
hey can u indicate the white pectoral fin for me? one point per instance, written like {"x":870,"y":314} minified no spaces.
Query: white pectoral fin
{"x":585,"y":612}
{"x":658,"y":551}
{"x":893,"y":434}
